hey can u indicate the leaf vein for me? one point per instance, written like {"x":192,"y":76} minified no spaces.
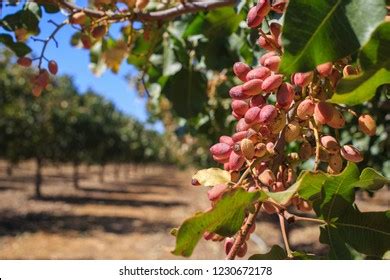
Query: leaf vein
{"x":365,"y":228}
{"x":316,"y":31}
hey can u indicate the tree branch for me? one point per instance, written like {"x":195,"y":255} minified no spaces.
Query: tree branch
{"x":284,"y":235}
{"x":241,"y":237}
{"x":185,"y":8}
{"x":292,"y":218}
{"x":46,"y":41}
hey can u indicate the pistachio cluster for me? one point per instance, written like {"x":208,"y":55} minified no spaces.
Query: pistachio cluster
{"x":41,"y":80}
{"x":273,"y":110}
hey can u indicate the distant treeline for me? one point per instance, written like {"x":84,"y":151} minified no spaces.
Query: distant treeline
{"x":66,"y":126}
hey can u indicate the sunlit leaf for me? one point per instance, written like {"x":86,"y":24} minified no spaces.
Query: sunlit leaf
{"x":225,"y":218}
{"x":212,"y":176}
{"x":319,"y":31}
{"x":375,"y":64}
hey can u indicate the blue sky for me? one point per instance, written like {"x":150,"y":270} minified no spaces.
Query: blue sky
{"x":74,"y":62}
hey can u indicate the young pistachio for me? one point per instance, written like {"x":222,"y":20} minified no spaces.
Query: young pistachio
{"x":351,"y":153}
{"x":247,"y":148}
{"x":367,"y":124}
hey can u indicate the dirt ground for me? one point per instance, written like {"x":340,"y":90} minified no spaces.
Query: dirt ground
{"x":128,"y":217}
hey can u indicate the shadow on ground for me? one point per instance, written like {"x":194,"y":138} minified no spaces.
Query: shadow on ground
{"x":74,"y":199}
{"x":13,"y":224}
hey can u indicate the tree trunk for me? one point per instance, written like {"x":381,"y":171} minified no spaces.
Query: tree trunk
{"x":131,"y":170}
{"x":101,"y":175}
{"x":126,"y":170}
{"x":38,"y":178}
{"x":116,"y":172}
{"x":10,"y":169}
{"x":76,"y":175}
{"x":123,"y":170}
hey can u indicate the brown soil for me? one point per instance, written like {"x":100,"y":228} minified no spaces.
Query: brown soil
{"x":123,"y":218}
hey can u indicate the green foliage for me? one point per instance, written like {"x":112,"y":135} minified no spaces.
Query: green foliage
{"x":375,"y":63}
{"x":309,"y":185}
{"x":275,"y":253}
{"x":225,"y":219}
{"x":316,"y":32}
{"x":26,"y":18}
{"x":49,"y":7}
{"x":215,"y":28}
{"x":333,"y":197}
{"x":342,"y":184}
{"x":183,"y":89}
{"x":367,"y":233}
{"x":195,"y":49}
{"x":65,"y":126}
{"x":278,"y":253}
{"x":19,"y":48}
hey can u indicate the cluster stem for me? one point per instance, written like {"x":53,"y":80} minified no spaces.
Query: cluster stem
{"x":318,"y":146}
{"x":284,"y":235}
{"x":243,"y":233}
{"x":46,"y":41}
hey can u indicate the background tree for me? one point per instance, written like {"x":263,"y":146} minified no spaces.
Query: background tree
{"x":64,"y":126}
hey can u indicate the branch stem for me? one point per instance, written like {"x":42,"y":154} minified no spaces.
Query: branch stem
{"x":160,"y":15}
{"x":318,"y":145}
{"x":46,"y":41}
{"x":272,"y":43}
{"x":243,"y":233}
{"x":292,"y":218}
{"x":284,"y":235}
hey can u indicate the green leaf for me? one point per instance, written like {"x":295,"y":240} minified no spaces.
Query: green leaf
{"x":217,"y":52}
{"x":215,"y":29}
{"x":139,"y":55}
{"x":75,"y":39}
{"x":276,"y":253}
{"x":356,"y":90}
{"x":367,"y":233}
{"x":170,"y":65}
{"x":19,"y":48}
{"x":50,"y":8}
{"x":375,"y":63}
{"x":337,"y":189}
{"x":224,"y":219}
{"x":195,"y":26}
{"x":299,"y":255}
{"x":376,"y":52}
{"x":284,"y":196}
{"x":319,"y":31}
{"x":187,"y":90}
{"x":27,"y":18}
{"x":212,"y":176}
{"x":224,"y":19}
{"x":371,"y":180}
{"x":338,"y":249}
{"x":309,"y":184}
{"x":329,"y":189}
{"x":34,"y":9}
